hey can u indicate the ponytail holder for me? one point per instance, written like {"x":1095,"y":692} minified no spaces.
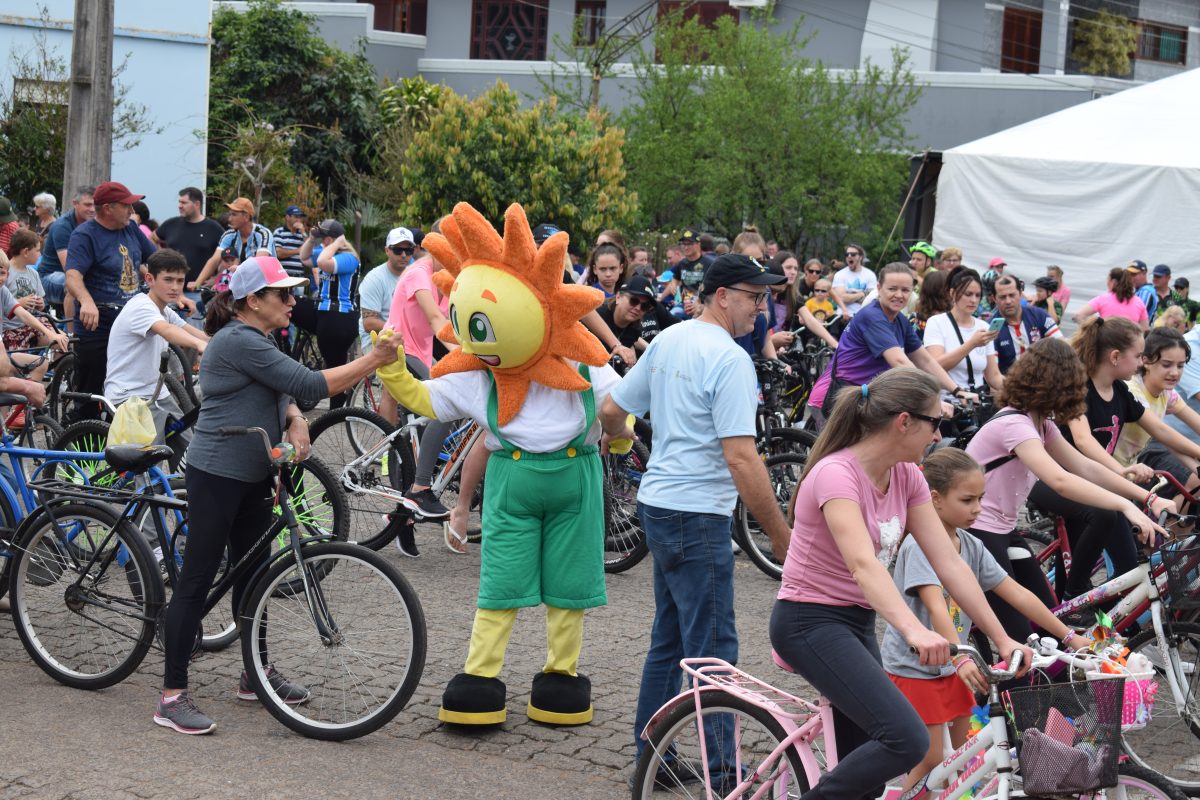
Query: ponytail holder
{"x":864,"y":391}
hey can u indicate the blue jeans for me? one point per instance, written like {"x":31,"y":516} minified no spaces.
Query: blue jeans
{"x":693,"y":605}
{"x":55,"y":284}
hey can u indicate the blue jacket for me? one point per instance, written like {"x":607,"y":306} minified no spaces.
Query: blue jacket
{"x":1035,"y":323}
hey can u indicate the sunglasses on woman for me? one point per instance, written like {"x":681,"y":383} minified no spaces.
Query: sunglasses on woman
{"x":643,"y":304}
{"x":283,"y":294}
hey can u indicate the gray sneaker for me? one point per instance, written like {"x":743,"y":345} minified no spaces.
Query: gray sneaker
{"x":182,"y":715}
{"x":291,"y":693}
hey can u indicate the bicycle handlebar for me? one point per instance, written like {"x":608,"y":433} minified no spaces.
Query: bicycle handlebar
{"x":278,"y":453}
{"x":994,"y":675}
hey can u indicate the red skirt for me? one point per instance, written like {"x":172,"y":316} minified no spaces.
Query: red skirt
{"x":937,"y":700}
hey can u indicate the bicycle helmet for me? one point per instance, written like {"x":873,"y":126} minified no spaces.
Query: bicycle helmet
{"x":924,"y":247}
{"x":1047,"y":283}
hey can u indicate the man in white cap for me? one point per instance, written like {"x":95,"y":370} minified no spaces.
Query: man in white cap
{"x":375,"y":299}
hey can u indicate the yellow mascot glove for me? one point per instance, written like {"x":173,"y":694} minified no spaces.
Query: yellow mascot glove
{"x":403,"y":385}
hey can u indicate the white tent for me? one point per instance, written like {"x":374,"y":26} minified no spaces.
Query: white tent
{"x":1088,"y":188}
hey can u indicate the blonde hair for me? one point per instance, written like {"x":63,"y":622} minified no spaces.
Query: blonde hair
{"x":1172,"y":316}
{"x":950,"y":252}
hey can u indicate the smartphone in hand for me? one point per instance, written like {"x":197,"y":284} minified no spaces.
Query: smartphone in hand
{"x":996,"y":324}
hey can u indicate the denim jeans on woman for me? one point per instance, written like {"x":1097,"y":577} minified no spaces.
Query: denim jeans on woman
{"x":693,"y":607}
{"x":879,"y":735}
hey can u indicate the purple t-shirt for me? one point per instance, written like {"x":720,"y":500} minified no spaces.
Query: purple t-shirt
{"x":1006,"y":487}
{"x":859,"y":356}
{"x":814,"y":571}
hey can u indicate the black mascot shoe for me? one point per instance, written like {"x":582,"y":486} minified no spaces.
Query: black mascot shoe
{"x":472,"y":700}
{"x":558,"y":699}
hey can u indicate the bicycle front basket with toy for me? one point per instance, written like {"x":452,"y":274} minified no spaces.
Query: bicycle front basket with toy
{"x":1068,"y":735}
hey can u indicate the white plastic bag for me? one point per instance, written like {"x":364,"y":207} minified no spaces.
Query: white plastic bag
{"x":132,"y":424}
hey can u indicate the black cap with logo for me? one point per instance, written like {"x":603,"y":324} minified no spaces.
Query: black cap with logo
{"x":734,"y":268}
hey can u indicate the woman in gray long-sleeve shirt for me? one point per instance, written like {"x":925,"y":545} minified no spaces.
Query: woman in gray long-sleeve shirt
{"x":246,"y":381}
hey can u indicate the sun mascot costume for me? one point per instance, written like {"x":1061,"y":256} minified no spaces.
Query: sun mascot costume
{"x":528,"y":370}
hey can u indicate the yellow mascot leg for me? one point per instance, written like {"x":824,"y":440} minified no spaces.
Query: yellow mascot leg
{"x":476,"y":696}
{"x":560,"y":695}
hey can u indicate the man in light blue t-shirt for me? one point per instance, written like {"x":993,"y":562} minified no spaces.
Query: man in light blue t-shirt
{"x":1189,"y":384}
{"x":699,"y":387}
{"x":375,"y":299}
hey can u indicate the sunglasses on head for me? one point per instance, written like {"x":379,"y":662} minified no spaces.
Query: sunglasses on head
{"x":403,"y":251}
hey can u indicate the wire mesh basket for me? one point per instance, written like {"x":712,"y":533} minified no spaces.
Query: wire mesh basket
{"x":1068,"y":735}
{"x":1182,"y":562}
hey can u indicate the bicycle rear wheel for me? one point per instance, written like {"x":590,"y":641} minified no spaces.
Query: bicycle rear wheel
{"x":63,"y":380}
{"x":363,"y":669}
{"x":737,"y":735}
{"x":624,"y":540}
{"x":85,"y":436}
{"x":319,"y":504}
{"x":784,"y":471}
{"x":338,"y":438}
{"x":1170,"y":743}
{"x":85,"y":602}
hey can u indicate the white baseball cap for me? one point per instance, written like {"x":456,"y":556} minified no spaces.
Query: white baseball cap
{"x":397,"y":235}
{"x":261,"y":272}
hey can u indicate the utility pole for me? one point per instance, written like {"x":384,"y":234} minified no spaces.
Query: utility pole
{"x":89,"y":115}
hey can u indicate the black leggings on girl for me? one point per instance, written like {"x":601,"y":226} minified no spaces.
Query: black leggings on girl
{"x":1025,"y":571}
{"x":879,"y":735}
{"x":1091,"y":531}
{"x":221,"y":511}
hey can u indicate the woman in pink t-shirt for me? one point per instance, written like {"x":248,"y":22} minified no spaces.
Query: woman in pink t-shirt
{"x":861,"y":490}
{"x":1021,"y":445}
{"x":1118,"y":301}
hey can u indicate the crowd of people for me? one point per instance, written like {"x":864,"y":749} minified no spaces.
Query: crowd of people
{"x":1079,"y":427}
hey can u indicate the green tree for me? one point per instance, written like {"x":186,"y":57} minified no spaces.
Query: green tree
{"x":1103,"y":43}
{"x":405,"y":107}
{"x":736,"y":126}
{"x":270,"y":66}
{"x":565,"y":168}
{"x":33,"y":119}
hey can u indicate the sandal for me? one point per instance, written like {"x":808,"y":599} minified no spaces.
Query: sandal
{"x":454,"y":539}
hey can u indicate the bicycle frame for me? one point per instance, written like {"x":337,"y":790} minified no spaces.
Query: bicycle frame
{"x":458,"y":454}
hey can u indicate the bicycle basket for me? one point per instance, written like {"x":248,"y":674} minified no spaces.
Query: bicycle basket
{"x":1068,"y":735}
{"x":1182,"y":562}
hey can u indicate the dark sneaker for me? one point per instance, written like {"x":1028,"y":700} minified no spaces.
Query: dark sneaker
{"x":426,"y":504}
{"x":291,"y":693}
{"x":406,"y":540}
{"x":675,"y":775}
{"x":181,"y":714}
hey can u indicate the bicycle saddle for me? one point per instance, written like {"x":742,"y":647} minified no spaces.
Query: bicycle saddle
{"x":136,"y":457}
{"x":12,"y":399}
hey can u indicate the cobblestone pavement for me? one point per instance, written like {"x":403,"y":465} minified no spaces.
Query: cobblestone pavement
{"x":57,"y":742}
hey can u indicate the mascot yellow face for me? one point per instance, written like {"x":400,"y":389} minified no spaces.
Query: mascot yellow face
{"x":509,"y":309}
{"x":496,"y":317}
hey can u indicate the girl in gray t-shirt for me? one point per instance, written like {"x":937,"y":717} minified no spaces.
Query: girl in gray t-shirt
{"x":943,"y":694}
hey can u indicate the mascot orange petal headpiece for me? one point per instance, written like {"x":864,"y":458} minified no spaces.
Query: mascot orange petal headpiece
{"x":509,"y":309}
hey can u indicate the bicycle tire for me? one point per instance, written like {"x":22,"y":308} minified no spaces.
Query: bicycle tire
{"x":333,"y":437}
{"x":624,"y":539}
{"x":388,"y":656}
{"x":85,"y":436}
{"x":179,"y":369}
{"x":319,"y":503}
{"x":786,"y":440}
{"x":41,"y":582}
{"x":1161,"y":744}
{"x":308,"y":354}
{"x":784,"y":472}
{"x":8,"y":521}
{"x":366,"y":393}
{"x":63,"y":380}
{"x":671,"y":759}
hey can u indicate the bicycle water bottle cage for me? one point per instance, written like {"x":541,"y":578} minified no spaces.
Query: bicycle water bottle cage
{"x":135,"y":458}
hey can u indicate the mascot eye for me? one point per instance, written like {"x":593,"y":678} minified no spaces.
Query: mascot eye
{"x":480,"y":328}
{"x":454,"y":319}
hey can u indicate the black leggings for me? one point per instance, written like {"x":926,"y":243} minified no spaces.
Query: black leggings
{"x":221,"y":511}
{"x":1091,"y":531}
{"x":1025,"y":571}
{"x":336,"y":331}
{"x":879,"y":735}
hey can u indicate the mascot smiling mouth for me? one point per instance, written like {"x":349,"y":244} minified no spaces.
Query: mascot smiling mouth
{"x":491,"y":361}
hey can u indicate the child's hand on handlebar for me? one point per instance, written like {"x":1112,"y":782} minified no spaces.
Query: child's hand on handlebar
{"x":1139,"y":473}
{"x":1144,"y":529}
{"x":969,"y":674}
{"x":1009,"y":647}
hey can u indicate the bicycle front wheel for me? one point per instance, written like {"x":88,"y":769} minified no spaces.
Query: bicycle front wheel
{"x":624,"y":539}
{"x":85,"y":601}
{"x":355,"y":639}
{"x":1137,"y":783}
{"x":784,"y":472}
{"x":739,"y":738}
{"x":1169,"y":744}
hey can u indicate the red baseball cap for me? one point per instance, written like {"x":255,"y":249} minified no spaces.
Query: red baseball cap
{"x":113,"y":192}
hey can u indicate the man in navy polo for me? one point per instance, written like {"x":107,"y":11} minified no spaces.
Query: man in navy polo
{"x":1023,"y":323}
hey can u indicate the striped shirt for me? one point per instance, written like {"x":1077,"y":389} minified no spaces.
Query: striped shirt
{"x":338,"y":290}
{"x":259,"y":239}
{"x":284,"y":237}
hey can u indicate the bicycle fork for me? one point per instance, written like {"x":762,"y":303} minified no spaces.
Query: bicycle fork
{"x":318,"y":608}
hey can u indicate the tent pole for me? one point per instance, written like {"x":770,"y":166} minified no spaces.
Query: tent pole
{"x":903,"y":206}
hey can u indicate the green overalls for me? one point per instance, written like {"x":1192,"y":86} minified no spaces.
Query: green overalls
{"x":543,"y":514}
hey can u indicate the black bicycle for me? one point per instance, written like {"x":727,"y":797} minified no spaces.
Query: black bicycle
{"x":87,"y":597}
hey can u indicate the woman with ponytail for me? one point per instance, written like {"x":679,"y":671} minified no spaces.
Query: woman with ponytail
{"x":860,"y":490}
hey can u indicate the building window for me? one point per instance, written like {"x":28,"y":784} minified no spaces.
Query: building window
{"x":509,"y":29}
{"x":1161,"y":43}
{"x":1021,"y":46}
{"x":401,"y":16}
{"x":707,"y":12}
{"x":589,"y":21}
